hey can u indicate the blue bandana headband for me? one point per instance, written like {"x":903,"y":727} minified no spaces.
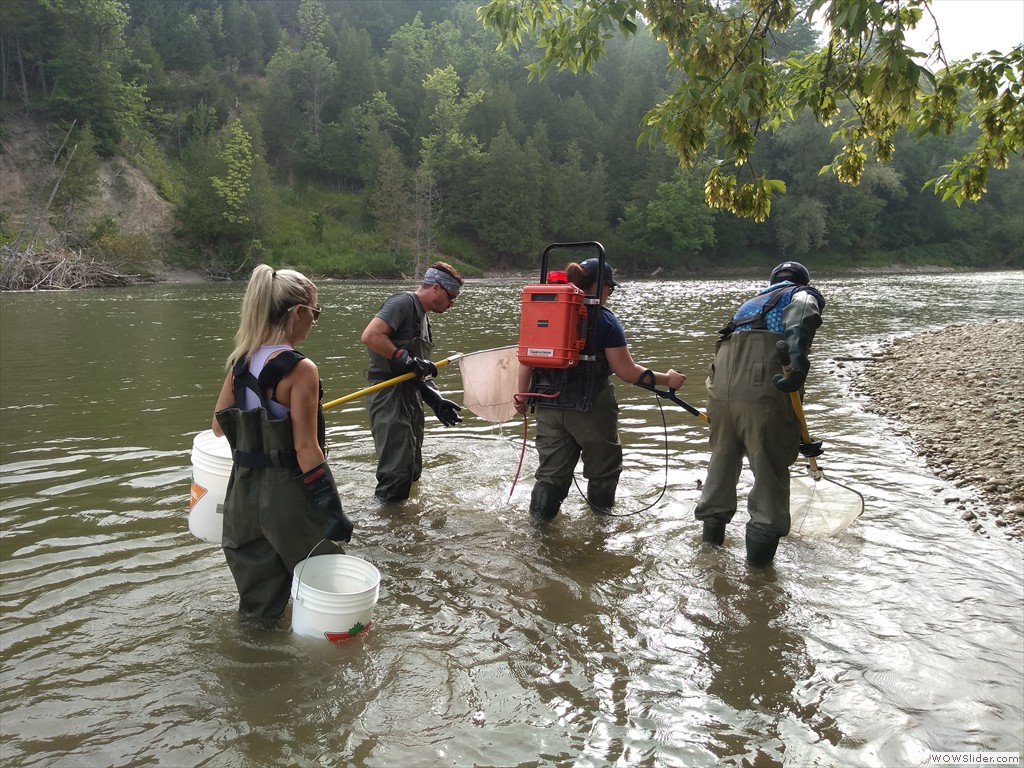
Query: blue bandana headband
{"x":442,"y":278}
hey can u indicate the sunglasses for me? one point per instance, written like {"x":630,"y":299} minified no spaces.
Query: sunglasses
{"x":451,"y":298}
{"x":315,"y":310}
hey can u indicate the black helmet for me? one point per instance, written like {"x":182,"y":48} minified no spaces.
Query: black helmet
{"x":793,"y":271}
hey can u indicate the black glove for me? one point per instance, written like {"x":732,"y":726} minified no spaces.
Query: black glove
{"x":794,"y":362}
{"x":319,"y":484}
{"x":810,"y":450}
{"x":447,"y":412}
{"x":790,"y":383}
{"x":403,"y":362}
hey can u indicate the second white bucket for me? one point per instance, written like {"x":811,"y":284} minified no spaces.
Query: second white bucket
{"x":211,"y":468}
{"x":333,"y":596}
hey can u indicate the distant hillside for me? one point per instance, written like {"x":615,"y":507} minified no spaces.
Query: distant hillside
{"x":27,"y":178}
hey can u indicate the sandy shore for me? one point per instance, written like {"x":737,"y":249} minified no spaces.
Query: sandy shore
{"x":959,"y":393}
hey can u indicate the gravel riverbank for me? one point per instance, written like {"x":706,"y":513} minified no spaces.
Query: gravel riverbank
{"x":959,"y":393}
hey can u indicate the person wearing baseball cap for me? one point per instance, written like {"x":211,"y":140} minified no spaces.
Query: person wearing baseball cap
{"x":578,"y":415}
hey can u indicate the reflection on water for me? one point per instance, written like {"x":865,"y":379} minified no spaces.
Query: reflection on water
{"x":598,"y":641}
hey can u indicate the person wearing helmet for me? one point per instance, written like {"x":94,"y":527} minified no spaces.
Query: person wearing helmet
{"x":578,"y":415}
{"x":751,"y":413}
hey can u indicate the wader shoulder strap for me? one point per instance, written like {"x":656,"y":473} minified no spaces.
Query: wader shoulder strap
{"x":815,"y":293}
{"x":271,"y":375}
{"x":276,"y":369}
{"x":420,"y":317}
{"x":244,"y":380}
{"x":321,"y":422}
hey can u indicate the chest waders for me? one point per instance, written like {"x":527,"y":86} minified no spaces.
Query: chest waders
{"x":269,"y":524}
{"x":396,"y":416}
{"x":749,"y":418}
{"x":576,"y":416}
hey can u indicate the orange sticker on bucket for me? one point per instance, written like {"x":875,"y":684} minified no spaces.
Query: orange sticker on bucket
{"x":197,"y":493}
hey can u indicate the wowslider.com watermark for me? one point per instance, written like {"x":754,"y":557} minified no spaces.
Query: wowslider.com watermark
{"x":974,"y":758}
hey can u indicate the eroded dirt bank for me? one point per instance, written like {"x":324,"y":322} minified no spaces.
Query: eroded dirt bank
{"x":960,"y":394}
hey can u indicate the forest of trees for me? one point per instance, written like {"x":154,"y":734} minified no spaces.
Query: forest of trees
{"x":356,"y":137}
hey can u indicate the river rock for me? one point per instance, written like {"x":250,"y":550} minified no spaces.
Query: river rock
{"x":963,"y":415}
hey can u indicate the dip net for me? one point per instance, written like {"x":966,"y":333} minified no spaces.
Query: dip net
{"x":489,"y":379}
{"x":820,"y":507}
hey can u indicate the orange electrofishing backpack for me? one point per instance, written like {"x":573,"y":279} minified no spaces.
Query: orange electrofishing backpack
{"x":554,"y":326}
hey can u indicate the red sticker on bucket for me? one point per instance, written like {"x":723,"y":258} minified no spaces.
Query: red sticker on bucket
{"x":338,"y":637}
{"x":197,"y":493}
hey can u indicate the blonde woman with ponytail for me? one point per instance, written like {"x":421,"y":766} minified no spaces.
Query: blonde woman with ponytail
{"x":281,"y":501}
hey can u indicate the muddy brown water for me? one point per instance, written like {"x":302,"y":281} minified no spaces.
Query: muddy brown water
{"x":598,"y":642}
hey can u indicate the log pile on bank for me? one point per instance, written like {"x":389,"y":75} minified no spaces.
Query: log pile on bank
{"x":58,"y":270}
{"x":960,"y":393}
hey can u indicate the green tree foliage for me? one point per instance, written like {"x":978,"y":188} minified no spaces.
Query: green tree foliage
{"x":506,"y":215}
{"x":449,"y":154}
{"x":377,"y":127}
{"x":301,"y":77}
{"x":674,"y":227}
{"x":735,"y":82}
{"x":281,"y":113}
{"x":235,"y":186}
{"x":226,"y":207}
{"x":390,"y":199}
{"x":317,"y":69}
{"x":578,"y":207}
{"x":357,"y":68}
{"x":72,"y":54}
{"x":180,"y":31}
{"x":402,"y":125}
{"x":242,"y":39}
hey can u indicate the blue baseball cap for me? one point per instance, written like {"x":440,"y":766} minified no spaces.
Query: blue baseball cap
{"x":590,"y":267}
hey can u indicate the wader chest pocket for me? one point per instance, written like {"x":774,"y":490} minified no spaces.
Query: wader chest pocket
{"x":758,"y":375}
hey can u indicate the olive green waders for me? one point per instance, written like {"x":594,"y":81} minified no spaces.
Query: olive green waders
{"x":563,"y":434}
{"x":397,"y":424}
{"x":269,"y":523}
{"x":749,"y":417}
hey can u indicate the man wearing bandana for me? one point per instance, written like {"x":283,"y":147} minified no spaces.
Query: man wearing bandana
{"x":400,"y":342}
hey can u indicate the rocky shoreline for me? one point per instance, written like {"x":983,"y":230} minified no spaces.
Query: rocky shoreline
{"x":959,"y":392}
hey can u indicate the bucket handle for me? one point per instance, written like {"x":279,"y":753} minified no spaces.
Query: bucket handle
{"x":298,"y":576}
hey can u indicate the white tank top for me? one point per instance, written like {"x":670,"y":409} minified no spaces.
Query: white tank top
{"x":256,"y":365}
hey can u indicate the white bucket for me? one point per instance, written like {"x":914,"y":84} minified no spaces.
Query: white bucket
{"x":211,"y":468}
{"x":333,"y":596}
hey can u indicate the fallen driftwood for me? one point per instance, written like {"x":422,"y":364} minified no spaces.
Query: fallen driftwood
{"x":64,"y":269}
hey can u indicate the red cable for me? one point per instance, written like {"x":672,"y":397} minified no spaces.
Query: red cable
{"x":522,"y":454}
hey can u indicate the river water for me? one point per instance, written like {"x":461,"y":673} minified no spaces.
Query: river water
{"x":596,"y":642}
